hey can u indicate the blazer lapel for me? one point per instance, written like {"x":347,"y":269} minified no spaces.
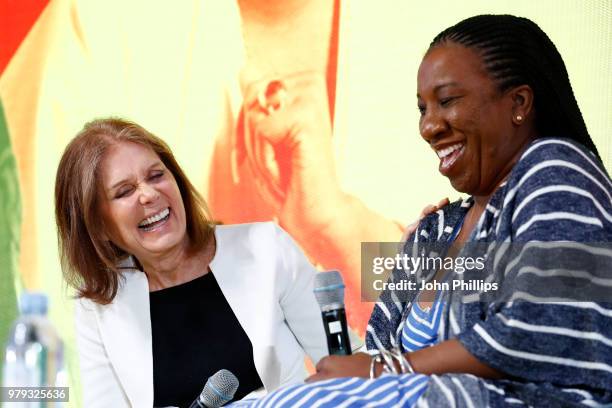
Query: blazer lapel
{"x":125,"y":327}
{"x":250,"y":297}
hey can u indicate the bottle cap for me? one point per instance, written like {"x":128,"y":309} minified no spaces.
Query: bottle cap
{"x":33,"y":303}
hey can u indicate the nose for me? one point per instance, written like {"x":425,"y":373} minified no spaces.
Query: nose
{"x":432,"y":126}
{"x":148,"y":194}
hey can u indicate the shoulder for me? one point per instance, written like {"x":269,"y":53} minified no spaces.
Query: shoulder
{"x":132,"y":283}
{"x":83,"y":308}
{"x":550,"y":160}
{"x":259,"y":242}
{"x":557,"y":190}
{"x":555,"y":147}
{"x":86,"y":316}
{"x":246,"y":230}
{"x":256,"y":234}
{"x":558,"y":164}
{"x":262,"y":250}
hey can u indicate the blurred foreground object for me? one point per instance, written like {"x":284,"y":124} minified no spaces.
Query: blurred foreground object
{"x":34,"y":352}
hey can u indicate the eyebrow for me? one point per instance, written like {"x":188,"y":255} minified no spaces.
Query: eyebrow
{"x":120,"y":182}
{"x":441,"y":86}
{"x":444,"y":85}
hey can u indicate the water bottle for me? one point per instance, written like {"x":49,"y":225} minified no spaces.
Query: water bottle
{"x":34,"y":352}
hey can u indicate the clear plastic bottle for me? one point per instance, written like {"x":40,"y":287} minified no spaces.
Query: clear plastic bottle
{"x":34,"y":354}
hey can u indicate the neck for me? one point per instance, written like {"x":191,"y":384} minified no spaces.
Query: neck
{"x":481,"y":201}
{"x":175,"y":267}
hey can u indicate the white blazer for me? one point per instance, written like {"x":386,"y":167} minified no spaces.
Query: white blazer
{"x":267,"y":282}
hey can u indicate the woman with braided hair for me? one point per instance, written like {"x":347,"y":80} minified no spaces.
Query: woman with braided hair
{"x":498,"y":109}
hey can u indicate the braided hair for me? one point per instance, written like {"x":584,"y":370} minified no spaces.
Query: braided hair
{"x":515,"y":51}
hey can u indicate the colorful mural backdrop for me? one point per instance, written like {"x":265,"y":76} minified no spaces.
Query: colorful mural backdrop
{"x":183,"y":69}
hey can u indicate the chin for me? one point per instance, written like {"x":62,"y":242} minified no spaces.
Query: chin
{"x":461,"y":186}
{"x":162,"y":244}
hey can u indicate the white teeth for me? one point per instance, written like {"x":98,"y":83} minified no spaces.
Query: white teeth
{"x":162,"y":214}
{"x":448,"y":150}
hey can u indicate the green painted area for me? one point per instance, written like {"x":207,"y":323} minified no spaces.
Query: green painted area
{"x":10,"y":222}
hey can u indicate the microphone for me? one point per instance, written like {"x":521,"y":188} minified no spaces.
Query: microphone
{"x":219,"y":389}
{"x":329,"y":291}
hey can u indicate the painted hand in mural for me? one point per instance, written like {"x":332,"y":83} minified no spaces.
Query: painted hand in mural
{"x":288,"y":145}
{"x":287,"y":142}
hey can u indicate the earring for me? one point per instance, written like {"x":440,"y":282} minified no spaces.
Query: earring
{"x":519,"y":118}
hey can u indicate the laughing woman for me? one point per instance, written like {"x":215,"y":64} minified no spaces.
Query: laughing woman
{"x":498,"y":109}
{"x":166,"y":298}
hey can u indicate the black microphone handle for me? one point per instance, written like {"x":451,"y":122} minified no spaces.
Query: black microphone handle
{"x":336,"y":331}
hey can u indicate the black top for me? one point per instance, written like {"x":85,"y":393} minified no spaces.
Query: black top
{"x":196,"y":334}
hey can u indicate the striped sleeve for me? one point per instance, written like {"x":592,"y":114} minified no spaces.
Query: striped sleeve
{"x":553,"y":322}
{"x":386,"y":316}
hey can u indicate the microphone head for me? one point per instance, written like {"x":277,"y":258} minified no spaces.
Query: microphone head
{"x":219,"y":389}
{"x":329,"y":289}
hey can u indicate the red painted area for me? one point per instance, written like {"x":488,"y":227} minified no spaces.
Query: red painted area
{"x":16,"y":19}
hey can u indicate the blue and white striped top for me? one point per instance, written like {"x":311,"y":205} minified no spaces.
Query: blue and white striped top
{"x":421,"y":326}
{"x":555,"y":347}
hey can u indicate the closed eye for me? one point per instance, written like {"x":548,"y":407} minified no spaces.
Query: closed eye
{"x":444,"y":102}
{"x":156,"y":175}
{"x":124,"y":192}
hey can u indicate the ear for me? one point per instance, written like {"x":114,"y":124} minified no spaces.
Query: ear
{"x":522,"y":103}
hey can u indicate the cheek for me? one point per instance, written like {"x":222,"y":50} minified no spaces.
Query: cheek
{"x":112,"y":228}
{"x":456,"y":117}
{"x":107,"y":217}
{"x":465,"y":119}
{"x":471,"y":117}
{"x":118,"y":216}
{"x":173,"y":191}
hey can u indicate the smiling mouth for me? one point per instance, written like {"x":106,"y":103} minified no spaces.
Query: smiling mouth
{"x":449,"y":155}
{"x":155,"y":221}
